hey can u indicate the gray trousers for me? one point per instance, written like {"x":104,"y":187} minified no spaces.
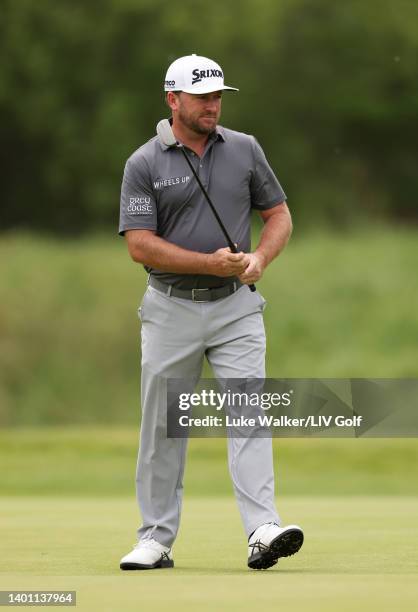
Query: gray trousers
{"x":176,"y":335}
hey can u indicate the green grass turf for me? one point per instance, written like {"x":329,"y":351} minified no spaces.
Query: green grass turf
{"x":338,"y":305}
{"x":360,"y":553}
{"x":101,"y":461}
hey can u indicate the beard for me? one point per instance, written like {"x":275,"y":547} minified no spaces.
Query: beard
{"x":193,"y":124}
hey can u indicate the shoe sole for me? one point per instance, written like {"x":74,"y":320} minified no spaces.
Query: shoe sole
{"x":286,"y":544}
{"x":139,"y":566}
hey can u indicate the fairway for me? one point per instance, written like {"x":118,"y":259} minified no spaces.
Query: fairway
{"x":359,"y":552}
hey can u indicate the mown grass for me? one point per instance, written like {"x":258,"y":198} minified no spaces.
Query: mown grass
{"x":101,"y":461}
{"x":359,"y":553}
{"x":339,"y":305}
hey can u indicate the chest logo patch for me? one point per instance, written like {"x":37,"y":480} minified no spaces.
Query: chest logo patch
{"x":171,"y":182}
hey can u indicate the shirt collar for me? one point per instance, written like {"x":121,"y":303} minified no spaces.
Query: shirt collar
{"x":217,"y":135}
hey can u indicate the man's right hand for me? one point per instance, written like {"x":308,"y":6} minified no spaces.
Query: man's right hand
{"x":225,"y":263}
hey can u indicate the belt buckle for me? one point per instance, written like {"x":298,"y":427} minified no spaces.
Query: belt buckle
{"x":194,"y":295}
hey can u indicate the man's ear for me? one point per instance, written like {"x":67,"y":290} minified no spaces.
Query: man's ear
{"x":172,"y":99}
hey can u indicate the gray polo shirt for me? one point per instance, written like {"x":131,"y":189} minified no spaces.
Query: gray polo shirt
{"x":159,"y":193}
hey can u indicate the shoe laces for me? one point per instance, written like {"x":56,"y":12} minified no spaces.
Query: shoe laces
{"x":148,"y":543}
{"x":257,"y":546}
{"x":258,"y":534}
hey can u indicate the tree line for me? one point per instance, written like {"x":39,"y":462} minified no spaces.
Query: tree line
{"x":329,"y":90}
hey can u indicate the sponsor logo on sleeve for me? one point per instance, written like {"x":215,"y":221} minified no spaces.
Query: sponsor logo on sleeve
{"x":139,"y":206}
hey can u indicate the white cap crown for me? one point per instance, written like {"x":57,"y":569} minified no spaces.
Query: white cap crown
{"x":196,"y":75}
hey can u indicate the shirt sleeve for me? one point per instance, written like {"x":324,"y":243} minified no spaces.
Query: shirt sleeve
{"x":265,"y":189}
{"x":138,"y":207}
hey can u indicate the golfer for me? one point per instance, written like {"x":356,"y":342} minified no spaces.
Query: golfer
{"x":198,"y":303}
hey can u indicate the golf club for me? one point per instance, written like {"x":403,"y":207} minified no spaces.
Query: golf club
{"x":166,"y":136}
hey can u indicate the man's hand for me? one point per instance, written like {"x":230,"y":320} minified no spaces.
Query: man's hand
{"x":254,"y":270}
{"x":225,"y":263}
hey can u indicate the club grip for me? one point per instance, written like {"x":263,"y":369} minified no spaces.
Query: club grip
{"x":234,"y":249}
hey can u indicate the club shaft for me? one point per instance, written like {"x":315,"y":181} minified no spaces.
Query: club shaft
{"x":221,"y":225}
{"x":215,"y":212}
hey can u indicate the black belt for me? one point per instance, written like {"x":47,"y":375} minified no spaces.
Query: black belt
{"x":197,"y":295}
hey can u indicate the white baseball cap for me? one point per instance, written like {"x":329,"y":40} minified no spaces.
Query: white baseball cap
{"x":195,"y":74}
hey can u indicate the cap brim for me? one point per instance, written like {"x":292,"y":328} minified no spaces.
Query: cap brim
{"x":208,"y":89}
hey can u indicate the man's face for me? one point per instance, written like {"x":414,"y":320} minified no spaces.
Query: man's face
{"x":199,"y":112}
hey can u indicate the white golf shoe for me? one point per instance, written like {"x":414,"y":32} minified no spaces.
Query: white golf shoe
{"x":270,"y":542}
{"x":147,"y":554}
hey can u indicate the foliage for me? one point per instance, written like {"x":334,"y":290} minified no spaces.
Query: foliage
{"x":329,"y":89}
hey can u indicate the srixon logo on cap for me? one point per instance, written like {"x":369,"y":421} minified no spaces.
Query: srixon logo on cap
{"x":198,"y":75}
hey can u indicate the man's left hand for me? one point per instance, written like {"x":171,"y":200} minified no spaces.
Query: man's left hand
{"x":254,"y":270}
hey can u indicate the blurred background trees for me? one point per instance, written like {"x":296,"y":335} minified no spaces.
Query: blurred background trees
{"x":329,"y":89}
